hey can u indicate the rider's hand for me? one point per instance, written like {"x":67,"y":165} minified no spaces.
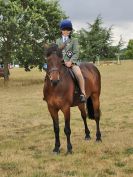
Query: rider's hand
{"x":68,"y":63}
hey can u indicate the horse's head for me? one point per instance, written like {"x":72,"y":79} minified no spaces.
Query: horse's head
{"x":54,"y":62}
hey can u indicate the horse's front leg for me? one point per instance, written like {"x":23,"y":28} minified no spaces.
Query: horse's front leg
{"x":54,"y":115}
{"x":84,"y":116}
{"x":67,"y":130}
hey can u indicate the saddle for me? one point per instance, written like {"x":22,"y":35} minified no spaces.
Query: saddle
{"x":75,"y":80}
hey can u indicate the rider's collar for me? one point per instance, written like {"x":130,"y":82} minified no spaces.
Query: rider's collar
{"x":65,"y":38}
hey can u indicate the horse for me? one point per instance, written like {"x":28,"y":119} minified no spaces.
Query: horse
{"x":59,"y":93}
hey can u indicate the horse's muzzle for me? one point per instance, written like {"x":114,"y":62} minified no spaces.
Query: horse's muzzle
{"x":54,"y":82}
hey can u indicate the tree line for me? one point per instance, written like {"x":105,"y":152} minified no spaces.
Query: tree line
{"x":26,"y":25}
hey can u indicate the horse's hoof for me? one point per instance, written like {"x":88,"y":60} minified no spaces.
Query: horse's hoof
{"x":87,"y":138}
{"x":69,"y":152}
{"x":56,"y":151}
{"x":99,"y":140}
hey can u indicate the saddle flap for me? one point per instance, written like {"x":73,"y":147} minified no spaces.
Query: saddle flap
{"x":74,"y":78}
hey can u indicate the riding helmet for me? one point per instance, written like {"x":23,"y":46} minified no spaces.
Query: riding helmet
{"x":66,"y":24}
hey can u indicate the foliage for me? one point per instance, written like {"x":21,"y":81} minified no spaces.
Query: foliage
{"x":24,"y":27}
{"x":115,"y":51}
{"x":95,"y":41}
{"x":8,"y":31}
{"x":129,"y":50}
{"x":39,"y":24}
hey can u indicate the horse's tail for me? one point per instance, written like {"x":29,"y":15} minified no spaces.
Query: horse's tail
{"x":90,"y":109}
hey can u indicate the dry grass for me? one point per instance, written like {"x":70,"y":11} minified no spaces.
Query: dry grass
{"x":27,"y":138}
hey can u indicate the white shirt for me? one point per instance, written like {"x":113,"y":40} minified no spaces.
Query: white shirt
{"x":64,"y":38}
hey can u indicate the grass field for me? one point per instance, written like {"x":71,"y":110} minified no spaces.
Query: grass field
{"x":27,"y":138}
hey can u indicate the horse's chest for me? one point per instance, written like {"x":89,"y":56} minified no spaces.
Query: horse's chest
{"x":55,"y":101}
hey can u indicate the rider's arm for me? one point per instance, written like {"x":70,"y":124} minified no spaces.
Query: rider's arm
{"x":75,"y":56}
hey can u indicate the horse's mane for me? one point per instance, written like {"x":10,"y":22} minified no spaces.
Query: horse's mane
{"x":54,"y":49}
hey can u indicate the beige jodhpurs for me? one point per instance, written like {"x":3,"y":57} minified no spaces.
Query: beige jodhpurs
{"x":78,"y":73}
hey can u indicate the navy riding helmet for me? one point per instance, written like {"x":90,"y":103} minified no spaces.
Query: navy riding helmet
{"x":66,"y":24}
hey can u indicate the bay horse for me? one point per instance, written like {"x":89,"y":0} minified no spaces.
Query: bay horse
{"x":59,"y":93}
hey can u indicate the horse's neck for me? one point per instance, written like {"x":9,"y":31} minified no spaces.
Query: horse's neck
{"x":65,"y":71}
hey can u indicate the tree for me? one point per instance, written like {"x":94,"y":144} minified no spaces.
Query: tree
{"x":95,"y":41}
{"x":116,"y":50}
{"x":41,"y":19}
{"x":129,"y":50}
{"x":24,"y":27}
{"x":8,"y":30}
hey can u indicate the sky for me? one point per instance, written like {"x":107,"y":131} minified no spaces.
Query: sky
{"x":115,"y":13}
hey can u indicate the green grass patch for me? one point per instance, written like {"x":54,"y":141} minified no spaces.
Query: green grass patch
{"x":10,"y":168}
{"x":110,"y":171}
{"x":120,"y":164}
{"x":129,"y":151}
{"x":37,"y":154}
{"x":70,"y":173}
{"x":128,"y":170}
{"x":39,"y":174}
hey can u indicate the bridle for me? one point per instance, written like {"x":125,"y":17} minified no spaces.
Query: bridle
{"x":49,"y":71}
{"x":52,"y":70}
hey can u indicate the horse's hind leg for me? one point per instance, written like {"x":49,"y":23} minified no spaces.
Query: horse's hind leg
{"x":84,"y":116}
{"x":96,"y":106}
{"x":54,"y":115}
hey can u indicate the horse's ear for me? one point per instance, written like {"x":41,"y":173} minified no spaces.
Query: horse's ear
{"x":46,"y":46}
